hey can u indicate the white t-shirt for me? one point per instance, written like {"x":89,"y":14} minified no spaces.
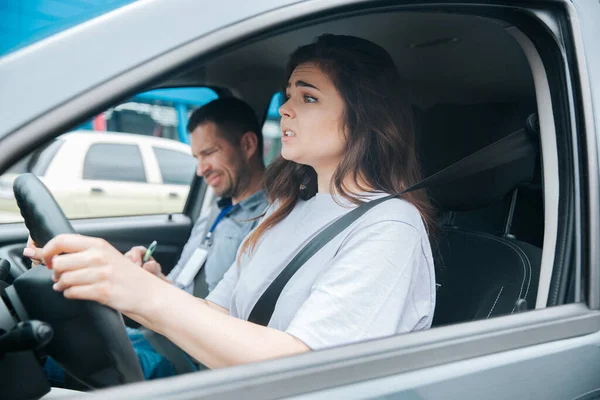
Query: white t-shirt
{"x":374,"y":279}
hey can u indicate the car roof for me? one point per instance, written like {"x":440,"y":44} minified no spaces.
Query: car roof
{"x":128,"y":138}
{"x":438,"y":46}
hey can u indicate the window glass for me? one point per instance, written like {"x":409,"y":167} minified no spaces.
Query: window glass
{"x":160,"y":113}
{"x":21,"y":166}
{"x":176,"y":168}
{"x":114,"y":162}
{"x":132,"y":159}
{"x":272,"y":130}
{"x":41,"y":160}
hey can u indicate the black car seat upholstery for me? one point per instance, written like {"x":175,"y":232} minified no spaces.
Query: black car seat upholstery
{"x":482,"y":272}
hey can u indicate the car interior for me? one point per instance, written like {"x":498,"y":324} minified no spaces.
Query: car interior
{"x":469,"y":83}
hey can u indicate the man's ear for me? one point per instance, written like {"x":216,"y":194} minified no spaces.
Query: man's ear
{"x":249,"y":144}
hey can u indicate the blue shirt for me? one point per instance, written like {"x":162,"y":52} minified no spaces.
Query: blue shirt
{"x":226,"y":238}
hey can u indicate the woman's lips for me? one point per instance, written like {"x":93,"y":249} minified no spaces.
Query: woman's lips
{"x":287,"y":135}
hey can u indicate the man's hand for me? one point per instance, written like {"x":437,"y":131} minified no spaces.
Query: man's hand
{"x":136,"y":255}
{"x":154,"y":268}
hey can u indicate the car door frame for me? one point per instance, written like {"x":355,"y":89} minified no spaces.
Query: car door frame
{"x":578,"y":324}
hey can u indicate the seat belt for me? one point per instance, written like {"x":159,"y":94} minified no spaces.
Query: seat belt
{"x":170,"y":351}
{"x":164,"y":346}
{"x":515,"y":146}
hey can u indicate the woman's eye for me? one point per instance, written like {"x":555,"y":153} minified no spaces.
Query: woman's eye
{"x":309,"y":99}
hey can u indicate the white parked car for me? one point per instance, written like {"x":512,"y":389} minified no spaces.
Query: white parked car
{"x":99,"y":174}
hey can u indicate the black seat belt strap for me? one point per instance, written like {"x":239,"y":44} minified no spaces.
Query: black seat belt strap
{"x":161,"y":344}
{"x":200,"y":286}
{"x":170,"y":351}
{"x":513,"y":147}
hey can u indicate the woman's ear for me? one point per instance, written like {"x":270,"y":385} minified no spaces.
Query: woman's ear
{"x":249,"y":144}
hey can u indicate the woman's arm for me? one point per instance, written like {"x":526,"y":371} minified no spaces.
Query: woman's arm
{"x":212,"y":336}
{"x":91,"y":269}
{"x":216,"y":307}
{"x":146,"y":322}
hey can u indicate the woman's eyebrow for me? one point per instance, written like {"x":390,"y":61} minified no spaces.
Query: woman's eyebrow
{"x":300,"y":83}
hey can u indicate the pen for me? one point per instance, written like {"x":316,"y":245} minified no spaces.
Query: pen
{"x":149,"y":251}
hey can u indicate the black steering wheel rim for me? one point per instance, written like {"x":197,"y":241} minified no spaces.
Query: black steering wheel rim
{"x":81,"y":327}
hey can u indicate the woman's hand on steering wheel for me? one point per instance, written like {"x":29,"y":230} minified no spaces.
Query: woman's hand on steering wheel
{"x":33,"y":252}
{"x":89,"y":268}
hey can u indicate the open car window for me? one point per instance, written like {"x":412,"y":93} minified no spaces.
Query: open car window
{"x":272,"y":129}
{"x":141,"y":141}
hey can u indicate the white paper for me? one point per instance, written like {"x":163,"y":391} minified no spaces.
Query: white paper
{"x":191,"y":268}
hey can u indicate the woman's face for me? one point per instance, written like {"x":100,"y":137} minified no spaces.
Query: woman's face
{"x":312,"y":120}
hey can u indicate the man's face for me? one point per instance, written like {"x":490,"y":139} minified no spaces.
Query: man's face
{"x":220,"y":163}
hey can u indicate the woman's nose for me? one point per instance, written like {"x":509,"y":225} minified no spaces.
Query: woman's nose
{"x":286,"y":110}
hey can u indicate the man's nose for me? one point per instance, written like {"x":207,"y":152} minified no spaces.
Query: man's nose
{"x":203,"y":168}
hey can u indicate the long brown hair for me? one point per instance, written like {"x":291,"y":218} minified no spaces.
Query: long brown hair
{"x":380,"y":144}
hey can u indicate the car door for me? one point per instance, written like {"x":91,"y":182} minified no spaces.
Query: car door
{"x":551,"y":352}
{"x":548,"y":353}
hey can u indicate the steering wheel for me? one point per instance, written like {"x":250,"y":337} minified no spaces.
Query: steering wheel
{"x":90,"y":341}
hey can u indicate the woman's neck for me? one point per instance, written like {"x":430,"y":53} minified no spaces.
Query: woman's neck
{"x":325,"y":178}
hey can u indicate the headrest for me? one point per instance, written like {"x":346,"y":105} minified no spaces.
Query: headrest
{"x":449,"y":133}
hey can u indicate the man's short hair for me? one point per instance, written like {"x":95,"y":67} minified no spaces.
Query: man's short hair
{"x":233,"y":117}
